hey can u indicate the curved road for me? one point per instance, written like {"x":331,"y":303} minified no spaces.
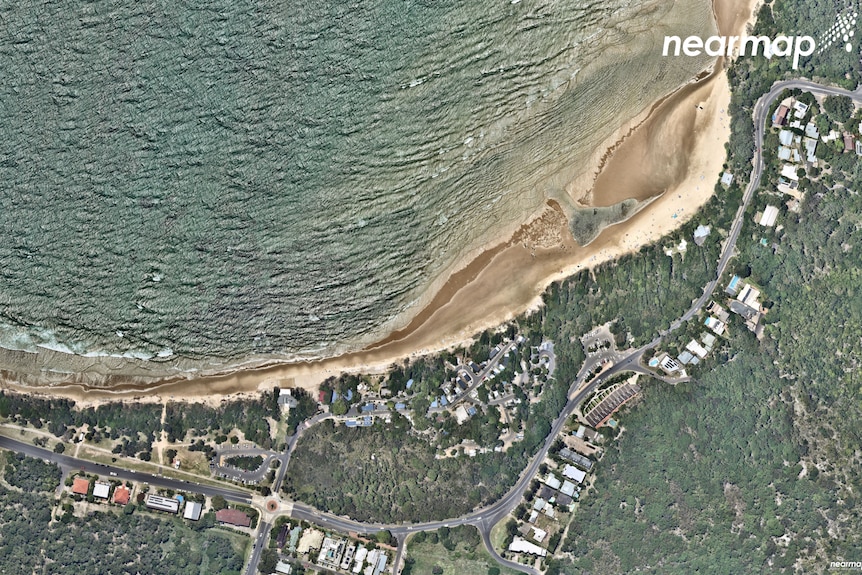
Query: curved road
{"x":485,"y":518}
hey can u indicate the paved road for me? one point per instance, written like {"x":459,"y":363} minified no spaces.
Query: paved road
{"x":110,"y":471}
{"x":260,"y":539}
{"x":484,"y":519}
{"x":291,"y":445}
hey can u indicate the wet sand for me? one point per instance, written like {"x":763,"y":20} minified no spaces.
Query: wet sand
{"x":642,"y":160}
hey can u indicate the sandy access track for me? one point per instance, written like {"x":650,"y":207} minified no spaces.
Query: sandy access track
{"x":672,"y":153}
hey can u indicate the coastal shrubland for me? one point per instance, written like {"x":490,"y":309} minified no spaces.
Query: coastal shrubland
{"x":100,"y":542}
{"x":247,"y":415}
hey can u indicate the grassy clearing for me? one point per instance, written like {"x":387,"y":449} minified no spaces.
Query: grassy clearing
{"x":498,"y":534}
{"x":466,"y":557}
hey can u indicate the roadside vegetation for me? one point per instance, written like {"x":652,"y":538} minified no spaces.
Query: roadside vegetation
{"x":455,"y":551}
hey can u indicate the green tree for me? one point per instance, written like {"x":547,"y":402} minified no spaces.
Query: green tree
{"x":339,"y":407}
{"x":839,"y":108}
{"x":219,"y":503}
{"x":268,"y":561}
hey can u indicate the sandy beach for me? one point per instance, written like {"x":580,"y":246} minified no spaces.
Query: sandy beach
{"x":642,"y":159}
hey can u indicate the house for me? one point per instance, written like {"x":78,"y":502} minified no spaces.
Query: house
{"x":80,"y":486}
{"x":849,"y":142}
{"x":715,"y":325}
{"x":348,"y":556}
{"x":545,"y":492}
{"x":539,"y":504}
{"x":286,"y":399}
{"x":789,"y":171}
{"x":769,"y":216}
{"x":858,"y":148}
{"x":700,"y":234}
{"x":520,"y":545}
{"x":810,"y":149}
{"x":552,"y":481}
{"x":726,"y":178}
{"x":284,"y":568}
{"x":381,"y":563}
{"x":708,"y":341}
{"x":193,"y":511}
{"x":359,"y":558}
{"x":233,"y":517}
{"x":785,"y":138}
{"x":669,"y":364}
{"x":122,"y":495}
{"x":568,"y":488}
{"x":779,"y":118}
{"x":800,"y":110}
{"x":686,"y":358}
{"x":574,"y":473}
{"x":749,"y":296}
{"x":745,"y":311}
{"x":811,"y":131}
{"x":719,"y":312}
{"x":784,"y":153}
{"x":294,"y":538}
{"x":576,"y":458}
{"x":539,"y":534}
{"x":101,"y":490}
{"x":696,"y":349}
{"x":162,"y":503}
{"x":331,"y":552}
{"x":588,"y":433}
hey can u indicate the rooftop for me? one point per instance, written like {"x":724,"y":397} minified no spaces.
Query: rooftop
{"x":80,"y":486}
{"x":101,"y":490}
{"x":122,"y":495}
{"x":233,"y":517}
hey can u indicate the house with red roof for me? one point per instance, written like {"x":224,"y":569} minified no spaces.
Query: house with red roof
{"x":122,"y":495}
{"x":80,"y":486}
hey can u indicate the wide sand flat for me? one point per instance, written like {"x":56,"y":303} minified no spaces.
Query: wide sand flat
{"x":672,"y":153}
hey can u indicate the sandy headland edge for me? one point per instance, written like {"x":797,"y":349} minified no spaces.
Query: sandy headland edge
{"x":675,"y":146}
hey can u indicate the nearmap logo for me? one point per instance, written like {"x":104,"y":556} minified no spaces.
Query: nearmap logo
{"x":840,"y":34}
{"x":796,"y":46}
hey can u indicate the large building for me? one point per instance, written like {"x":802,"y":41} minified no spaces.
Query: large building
{"x":193,"y":510}
{"x":162,"y":503}
{"x":233,"y":517}
{"x":521,"y":545}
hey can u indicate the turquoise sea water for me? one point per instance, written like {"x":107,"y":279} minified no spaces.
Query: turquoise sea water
{"x":222,"y":178}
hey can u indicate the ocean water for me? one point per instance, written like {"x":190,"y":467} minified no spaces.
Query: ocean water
{"x":231,"y":178}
